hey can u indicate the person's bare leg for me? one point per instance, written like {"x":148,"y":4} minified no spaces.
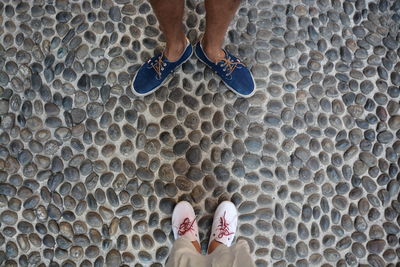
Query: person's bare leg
{"x":219,"y":14}
{"x":213,"y":245}
{"x":197,"y":246}
{"x":170,"y":14}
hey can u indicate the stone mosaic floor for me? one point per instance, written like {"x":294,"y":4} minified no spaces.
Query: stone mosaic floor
{"x":89,"y":174}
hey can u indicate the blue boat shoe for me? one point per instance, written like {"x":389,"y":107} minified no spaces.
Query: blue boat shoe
{"x":235,"y":75}
{"x":154,"y":73}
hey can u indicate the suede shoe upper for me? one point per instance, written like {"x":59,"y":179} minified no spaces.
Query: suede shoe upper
{"x":154,"y":72}
{"x":232,"y":72}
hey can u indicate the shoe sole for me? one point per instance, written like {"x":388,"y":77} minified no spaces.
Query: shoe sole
{"x":167,"y":79}
{"x":230,"y":88}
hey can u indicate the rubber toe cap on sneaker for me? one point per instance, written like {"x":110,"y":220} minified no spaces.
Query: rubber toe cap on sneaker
{"x":182,"y":205}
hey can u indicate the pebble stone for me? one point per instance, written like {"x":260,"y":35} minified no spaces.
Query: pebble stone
{"x":92,"y":173}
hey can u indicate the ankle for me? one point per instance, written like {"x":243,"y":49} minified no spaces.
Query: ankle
{"x":213,"y":245}
{"x":214,"y":53}
{"x":174,"y":50}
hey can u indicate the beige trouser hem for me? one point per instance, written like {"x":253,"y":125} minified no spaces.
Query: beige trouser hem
{"x":184,"y":254}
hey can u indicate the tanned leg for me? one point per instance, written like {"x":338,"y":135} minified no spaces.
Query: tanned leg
{"x":197,"y":246}
{"x":170,"y":14}
{"x":213,"y":245}
{"x":219,"y":14}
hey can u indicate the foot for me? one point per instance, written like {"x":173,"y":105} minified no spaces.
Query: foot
{"x":173,"y":53}
{"x":235,"y":75}
{"x":184,"y":222}
{"x":224,"y":225}
{"x":154,"y":73}
{"x":213,"y":54}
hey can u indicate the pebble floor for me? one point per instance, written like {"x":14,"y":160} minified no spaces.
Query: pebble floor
{"x":89,"y":174}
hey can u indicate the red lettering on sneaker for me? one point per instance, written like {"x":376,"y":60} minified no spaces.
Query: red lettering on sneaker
{"x":223,"y":227}
{"x":185,"y":226}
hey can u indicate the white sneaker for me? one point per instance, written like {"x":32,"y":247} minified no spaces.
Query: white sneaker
{"x":224,"y":224}
{"x":184,"y":222}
